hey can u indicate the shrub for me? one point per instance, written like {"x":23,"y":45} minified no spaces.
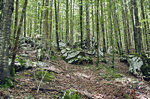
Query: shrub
{"x":71,"y":95}
{"x":7,"y":83}
{"x":48,"y":76}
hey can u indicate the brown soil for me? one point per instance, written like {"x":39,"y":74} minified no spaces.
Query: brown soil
{"x":84,"y":79}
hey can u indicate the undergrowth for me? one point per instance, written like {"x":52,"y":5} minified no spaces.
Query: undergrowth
{"x":48,"y":76}
{"x":7,"y":83}
{"x":69,"y":95}
{"x":109,"y":73}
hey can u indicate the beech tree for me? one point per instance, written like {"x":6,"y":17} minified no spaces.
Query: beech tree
{"x":5,"y":31}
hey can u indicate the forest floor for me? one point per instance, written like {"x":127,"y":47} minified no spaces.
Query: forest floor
{"x":92,"y":82}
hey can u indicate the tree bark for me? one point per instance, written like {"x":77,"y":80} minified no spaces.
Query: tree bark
{"x":88,"y":24}
{"x":15,"y":48}
{"x":67,"y":22}
{"x":97,"y":28}
{"x":5,"y":31}
{"x":57,"y":38}
{"x":16,"y":18}
{"x":81,"y":29}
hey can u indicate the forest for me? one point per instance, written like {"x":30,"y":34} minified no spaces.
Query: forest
{"x":74,"y":49}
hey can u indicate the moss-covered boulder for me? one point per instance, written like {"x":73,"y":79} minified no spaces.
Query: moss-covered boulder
{"x":135,"y":63}
{"x":76,"y":56}
{"x":139,"y":65}
{"x":146,"y":68}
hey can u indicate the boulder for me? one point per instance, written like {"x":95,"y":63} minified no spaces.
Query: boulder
{"x":77,"y":56}
{"x":139,"y":66}
{"x":111,"y":49}
{"x":40,"y":54}
{"x":62,"y":44}
{"x":146,"y":68}
{"x":73,"y":55}
{"x":41,"y":64}
{"x":135,"y":63}
{"x":124,"y":59}
{"x":91,"y":52}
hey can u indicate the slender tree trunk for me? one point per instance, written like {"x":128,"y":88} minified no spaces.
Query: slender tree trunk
{"x":57,"y":38}
{"x":30,"y":28}
{"x":92,"y":19}
{"x":15,"y":48}
{"x":51,"y":22}
{"x":128,"y":26}
{"x":145,"y":32}
{"x":87,"y":24}
{"x":137,"y":34}
{"x":97,"y":28}
{"x":71,"y":23}
{"x":25,"y":24}
{"x":41,"y":21}
{"x":81,"y":29}
{"x":111,"y":32}
{"x":116,"y":27}
{"x":67,"y":22}
{"x":46,"y":34}
{"x":16,"y":18}
{"x":124,"y":28}
{"x":103,"y":29}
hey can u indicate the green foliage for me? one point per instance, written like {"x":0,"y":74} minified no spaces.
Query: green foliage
{"x":71,"y":95}
{"x":54,"y":57}
{"x":48,"y":76}
{"x":127,"y":96}
{"x":29,"y":97}
{"x":100,"y":67}
{"x":12,"y":71}
{"x":111,"y":73}
{"x":20,"y":60}
{"x":7,"y":83}
{"x":61,"y":57}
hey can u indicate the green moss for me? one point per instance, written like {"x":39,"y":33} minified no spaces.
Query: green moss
{"x":127,"y":96}
{"x":12,"y":71}
{"x":20,"y":60}
{"x":48,"y":76}
{"x":30,"y":97}
{"x":111,"y":73}
{"x":108,"y":84}
{"x":100,"y":67}
{"x":71,"y":95}
{"x":54,"y":57}
{"x":7,"y":83}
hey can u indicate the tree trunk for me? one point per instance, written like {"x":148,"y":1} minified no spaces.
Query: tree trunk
{"x":97,"y":28}
{"x":16,"y":18}
{"x":25,"y":24}
{"x":111,"y":31}
{"x":67,"y":22}
{"x":51,"y":22}
{"x":71,"y":23}
{"x":15,"y":48}
{"x":87,"y":24}
{"x":145,"y":31}
{"x":81,"y":13}
{"x":137,"y":34}
{"x":92,"y":19}
{"x":57,"y":38}
{"x":103,"y":30}
{"x":124,"y":28}
{"x":5,"y":31}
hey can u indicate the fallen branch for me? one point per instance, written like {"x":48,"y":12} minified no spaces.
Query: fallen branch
{"x":46,"y":89}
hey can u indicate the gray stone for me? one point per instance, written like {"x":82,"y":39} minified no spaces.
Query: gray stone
{"x":135,"y":63}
